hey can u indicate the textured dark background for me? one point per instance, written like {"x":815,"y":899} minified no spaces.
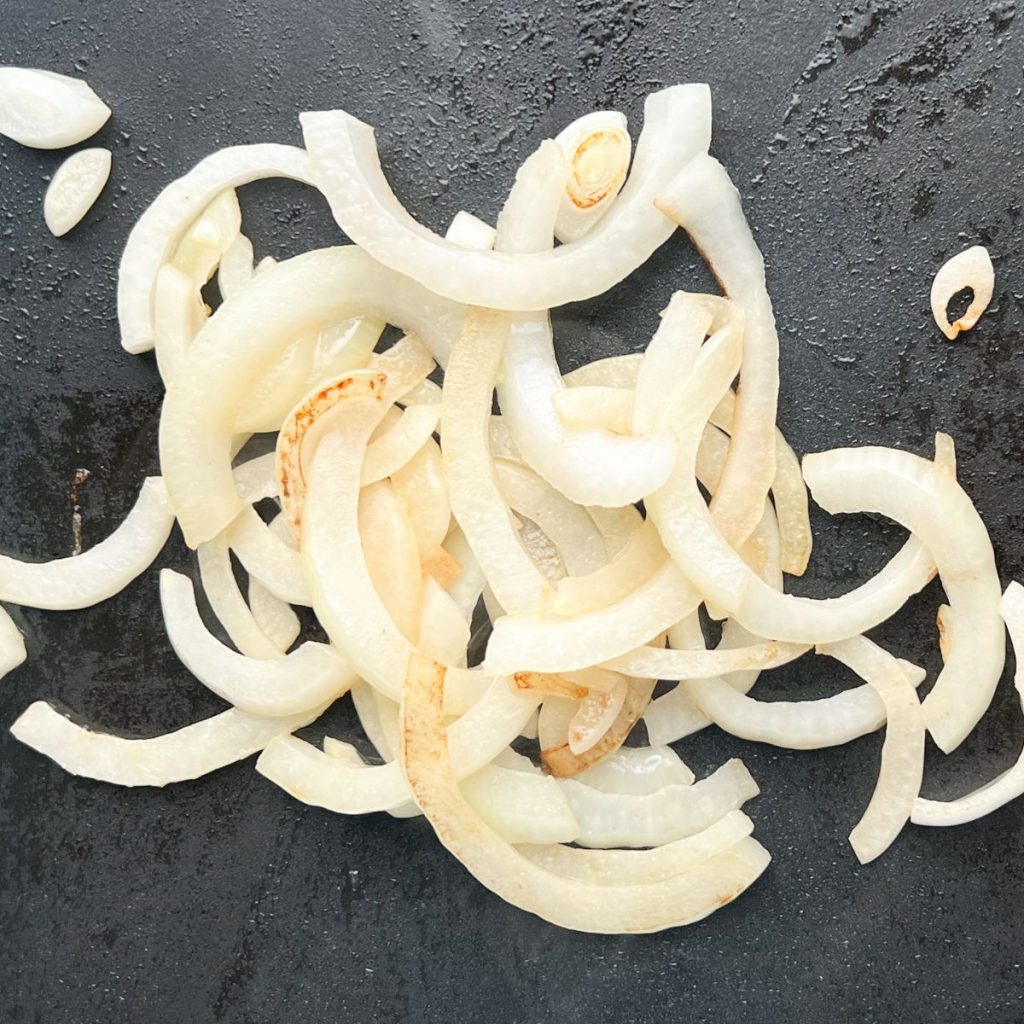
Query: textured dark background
{"x":870,"y":143}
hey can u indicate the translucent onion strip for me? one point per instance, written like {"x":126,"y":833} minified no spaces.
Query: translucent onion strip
{"x":158,"y":229}
{"x":703,"y":200}
{"x":899,"y":777}
{"x":677,"y":125}
{"x":1010,"y":784}
{"x":101,"y":571}
{"x":186,"y":753}
{"x":309,"y":677}
{"x":923,"y":498}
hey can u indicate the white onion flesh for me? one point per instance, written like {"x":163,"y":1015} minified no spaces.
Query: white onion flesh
{"x":671,"y":900}
{"x":159,"y":228}
{"x":187,"y":753}
{"x":923,"y":498}
{"x":12,"y":644}
{"x":637,"y":771}
{"x":45,"y":110}
{"x":972,"y":269}
{"x":346,"y":166}
{"x":99,"y":572}
{"x":75,"y":186}
{"x":309,"y":677}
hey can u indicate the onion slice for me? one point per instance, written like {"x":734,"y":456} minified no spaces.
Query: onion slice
{"x":12,"y":645}
{"x":972,"y":269}
{"x":159,"y":228}
{"x":101,"y":571}
{"x":677,"y":899}
{"x":922,"y":497}
{"x":45,"y":110}
{"x":346,"y":165}
{"x":899,"y":777}
{"x":1010,"y":784}
{"x":703,"y":200}
{"x":309,"y":677}
{"x":75,"y":186}
{"x":186,"y":753}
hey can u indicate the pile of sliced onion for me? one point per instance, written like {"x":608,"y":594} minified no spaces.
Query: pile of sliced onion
{"x":416,"y":523}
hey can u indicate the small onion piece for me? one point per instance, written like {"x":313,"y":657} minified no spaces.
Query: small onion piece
{"x":12,"y":644}
{"x":663,"y":664}
{"x":470,"y":232}
{"x":595,"y":715}
{"x":421,"y":482}
{"x":1010,"y":784}
{"x":972,"y":269}
{"x":236,"y":267}
{"x":100,"y":572}
{"x":159,"y":228}
{"x":399,"y":445}
{"x":596,"y":148}
{"x":187,"y":753}
{"x":268,"y":558}
{"x":346,"y":165}
{"x":637,"y":771}
{"x":45,"y":110}
{"x":75,"y":186}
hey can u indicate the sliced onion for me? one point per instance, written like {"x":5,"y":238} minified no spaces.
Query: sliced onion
{"x":159,"y":228}
{"x":12,"y":644}
{"x":186,"y":753}
{"x":443,"y":629}
{"x":45,"y":110}
{"x":347,"y":168}
{"x":267,"y":557}
{"x":75,"y":186}
{"x":690,"y":535}
{"x":654,"y":819}
{"x":318,"y":779}
{"x":611,"y":372}
{"x":309,"y":677}
{"x":102,"y":571}
{"x":923,"y":498}
{"x":638,"y":867}
{"x":470,"y":232}
{"x":600,"y":408}
{"x":421,"y":482}
{"x":521,"y":808}
{"x":899,"y":777}
{"x":396,"y":448}
{"x":274,"y":617}
{"x":547,"y":643}
{"x":243,"y":340}
{"x":595,"y":715}
{"x":226,"y":602}
{"x":1010,"y":784}
{"x":236,"y":268}
{"x":638,"y":771}
{"x":677,"y":899}
{"x":972,"y":269}
{"x":563,"y":762}
{"x":596,"y":148}
{"x":662,"y":664}
{"x":703,"y":200}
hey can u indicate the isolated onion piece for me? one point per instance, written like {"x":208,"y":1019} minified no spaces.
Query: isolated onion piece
{"x":101,"y":571}
{"x":157,"y":231}
{"x":187,"y":753}
{"x":346,"y":166}
{"x":45,"y":110}
{"x":596,"y":149}
{"x":972,"y":269}
{"x":74,"y":188}
{"x":12,"y":644}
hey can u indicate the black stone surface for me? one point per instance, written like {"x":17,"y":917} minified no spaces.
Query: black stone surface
{"x":870,"y":143}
